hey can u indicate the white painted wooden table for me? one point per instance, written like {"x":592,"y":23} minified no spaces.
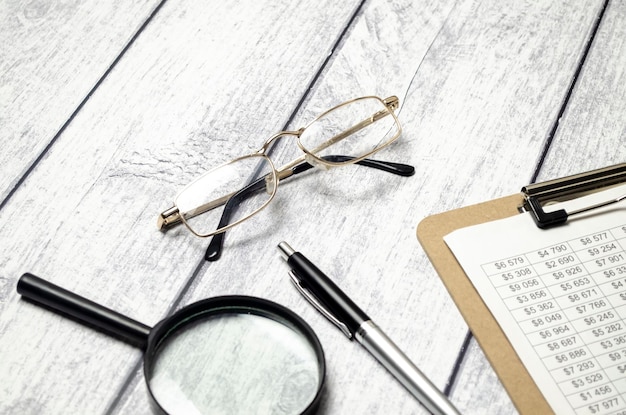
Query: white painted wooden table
{"x":108,"y":108}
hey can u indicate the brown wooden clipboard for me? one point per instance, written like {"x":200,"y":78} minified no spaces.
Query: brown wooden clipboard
{"x":516,"y":380}
{"x":430,"y":232}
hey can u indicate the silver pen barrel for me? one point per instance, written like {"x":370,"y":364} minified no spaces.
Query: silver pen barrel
{"x":398,"y":364}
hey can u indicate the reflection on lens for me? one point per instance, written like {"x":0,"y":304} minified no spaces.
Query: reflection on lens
{"x":235,"y":363}
{"x":353,"y":129}
{"x":227,"y":194}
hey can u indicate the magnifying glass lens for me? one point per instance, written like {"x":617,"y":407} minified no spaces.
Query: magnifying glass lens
{"x":235,"y":363}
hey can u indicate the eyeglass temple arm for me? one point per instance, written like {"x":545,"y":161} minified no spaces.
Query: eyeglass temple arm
{"x":214,"y":250}
{"x":399,"y":169}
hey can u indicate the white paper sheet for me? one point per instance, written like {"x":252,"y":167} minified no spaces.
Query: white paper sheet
{"x":560,"y":297}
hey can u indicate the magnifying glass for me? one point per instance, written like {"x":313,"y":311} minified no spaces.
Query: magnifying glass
{"x":222,"y":355}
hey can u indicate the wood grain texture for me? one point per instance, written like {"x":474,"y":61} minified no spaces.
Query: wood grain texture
{"x":53,"y":54}
{"x":479,"y":83}
{"x":93,"y":200}
{"x":592,"y":132}
{"x":478,"y":387}
{"x":359,"y":225}
{"x":590,"y":135}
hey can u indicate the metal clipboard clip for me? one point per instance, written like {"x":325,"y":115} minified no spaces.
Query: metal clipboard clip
{"x":538,"y":195}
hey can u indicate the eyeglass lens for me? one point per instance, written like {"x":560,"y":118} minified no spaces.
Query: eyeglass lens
{"x":242,"y":186}
{"x":354,"y":129}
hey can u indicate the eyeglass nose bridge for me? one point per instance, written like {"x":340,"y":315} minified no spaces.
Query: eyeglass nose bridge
{"x":283,"y":171}
{"x":270,"y":141}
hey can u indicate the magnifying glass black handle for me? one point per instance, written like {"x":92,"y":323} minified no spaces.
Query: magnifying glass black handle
{"x":82,"y":309}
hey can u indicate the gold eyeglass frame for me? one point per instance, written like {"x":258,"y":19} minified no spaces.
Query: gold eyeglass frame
{"x":172,"y":217}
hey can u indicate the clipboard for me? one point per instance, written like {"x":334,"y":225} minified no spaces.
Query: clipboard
{"x":533,"y":198}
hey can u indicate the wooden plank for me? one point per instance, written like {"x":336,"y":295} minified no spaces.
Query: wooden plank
{"x":476,"y":370}
{"x":53,"y":54}
{"x":588,"y":136}
{"x":479,"y":93}
{"x":591,"y":133}
{"x":85,"y":218}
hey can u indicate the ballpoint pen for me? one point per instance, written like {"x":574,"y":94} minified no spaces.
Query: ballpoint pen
{"x":335,"y":305}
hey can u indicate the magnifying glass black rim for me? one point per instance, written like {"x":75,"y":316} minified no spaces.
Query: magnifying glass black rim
{"x":233,"y":304}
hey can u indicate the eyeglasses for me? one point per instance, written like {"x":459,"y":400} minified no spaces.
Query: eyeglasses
{"x":229,"y":194}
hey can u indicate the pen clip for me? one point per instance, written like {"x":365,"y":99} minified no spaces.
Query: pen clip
{"x":318,"y":305}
